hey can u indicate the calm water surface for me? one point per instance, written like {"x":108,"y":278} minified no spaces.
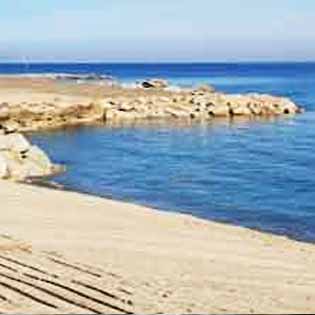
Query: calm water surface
{"x":256,"y":174}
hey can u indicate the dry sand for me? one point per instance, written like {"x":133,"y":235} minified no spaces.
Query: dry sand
{"x":62,"y":252}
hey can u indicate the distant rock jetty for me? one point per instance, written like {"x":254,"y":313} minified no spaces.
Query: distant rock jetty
{"x":84,"y":78}
{"x":201,"y":104}
{"x":47,"y":103}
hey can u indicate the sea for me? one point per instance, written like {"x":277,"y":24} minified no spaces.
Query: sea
{"x":257,"y":174}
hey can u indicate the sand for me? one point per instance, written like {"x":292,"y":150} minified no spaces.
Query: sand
{"x":63,"y":252}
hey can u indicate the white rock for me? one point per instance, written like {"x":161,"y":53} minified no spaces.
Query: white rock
{"x":4,"y":170}
{"x":39,"y":157}
{"x":11,"y":127}
{"x":4,"y":112}
{"x":14,"y":142}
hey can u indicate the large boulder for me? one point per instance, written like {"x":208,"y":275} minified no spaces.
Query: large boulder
{"x":4,"y":170}
{"x":219,"y":110}
{"x":14,"y":142}
{"x":19,"y":160}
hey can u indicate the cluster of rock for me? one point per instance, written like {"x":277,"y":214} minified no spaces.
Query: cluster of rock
{"x":19,"y":160}
{"x":33,"y":115}
{"x":85,"y":78}
{"x":154,"y":100}
{"x":203,"y":103}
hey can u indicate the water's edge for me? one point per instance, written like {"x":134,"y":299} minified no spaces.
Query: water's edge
{"x":51,"y":184}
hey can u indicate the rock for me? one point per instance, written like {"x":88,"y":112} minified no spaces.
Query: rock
{"x":123,"y":116}
{"x":240,"y":111}
{"x":289,"y":107}
{"x":36,"y":155}
{"x":106,"y":104}
{"x":164,"y":99}
{"x":203,"y":90}
{"x":19,"y":160}
{"x":83,"y":77}
{"x":17,"y":143}
{"x":4,"y":111}
{"x":255,"y":109}
{"x":14,"y":142}
{"x":4,"y":171}
{"x":219,"y":110}
{"x":155,"y":84}
{"x":109,"y":115}
{"x":177,"y":113}
{"x":32,"y":166}
{"x":200,"y":101}
{"x":239,"y":107}
{"x":126,"y":107}
{"x":10,"y":127}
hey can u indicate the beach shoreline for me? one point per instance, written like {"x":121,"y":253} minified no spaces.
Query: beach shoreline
{"x":49,"y":183}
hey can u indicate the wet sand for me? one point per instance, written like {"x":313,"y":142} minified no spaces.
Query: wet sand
{"x":63,"y":252}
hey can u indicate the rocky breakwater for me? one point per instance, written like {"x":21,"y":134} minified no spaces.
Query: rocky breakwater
{"x":21,"y":161}
{"x":69,"y":104}
{"x":34,"y":111}
{"x":201,"y":104}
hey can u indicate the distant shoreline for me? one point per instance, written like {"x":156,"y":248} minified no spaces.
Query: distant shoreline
{"x":105,"y":62}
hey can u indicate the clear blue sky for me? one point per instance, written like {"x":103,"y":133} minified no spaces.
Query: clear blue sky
{"x":162,"y":30}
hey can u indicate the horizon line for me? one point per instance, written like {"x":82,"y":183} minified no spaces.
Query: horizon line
{"x":153,"y":62}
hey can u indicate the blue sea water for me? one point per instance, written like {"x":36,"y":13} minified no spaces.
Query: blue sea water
{"x":257,"y":174}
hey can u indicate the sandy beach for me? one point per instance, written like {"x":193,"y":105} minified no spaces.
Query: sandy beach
{"x":62,"y":252}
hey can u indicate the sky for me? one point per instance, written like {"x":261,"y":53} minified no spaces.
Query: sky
{"x":157,"y":30}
